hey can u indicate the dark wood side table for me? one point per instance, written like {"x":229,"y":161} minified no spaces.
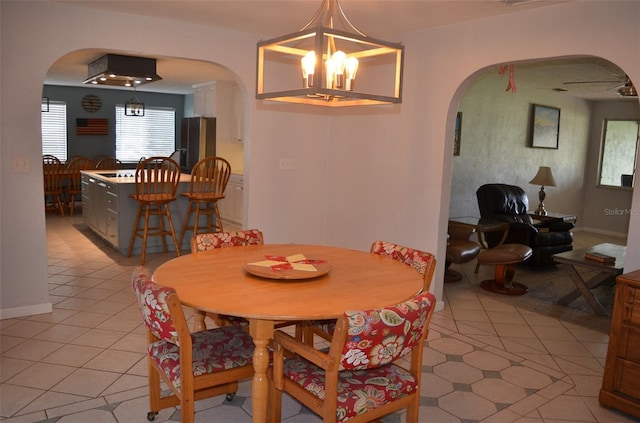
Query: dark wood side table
{"x":541,"y":221}
{"x":571,"y":261}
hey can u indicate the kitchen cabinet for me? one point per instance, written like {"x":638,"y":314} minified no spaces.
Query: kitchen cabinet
{"x":621,"y":380}
{"x":222,"y":100}
{"x":109,"y":211}
{"x":232,"y":205}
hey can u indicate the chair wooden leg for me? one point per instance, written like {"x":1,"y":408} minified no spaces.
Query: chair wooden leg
{"x":60,"y":204}
{"x":154,"y":388}
{"x":211,"y":227}
{"x":218,"y":219}
{"x":196,"y":219}
{"x":145,"y":232}
{"x":185,"y":224}
{"x":173,"y":232}
{"x":413,"y":411}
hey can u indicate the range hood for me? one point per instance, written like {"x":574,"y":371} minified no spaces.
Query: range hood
{"x":123,"y":71}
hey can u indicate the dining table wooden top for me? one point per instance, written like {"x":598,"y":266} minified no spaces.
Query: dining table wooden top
{"x":218,"y":281}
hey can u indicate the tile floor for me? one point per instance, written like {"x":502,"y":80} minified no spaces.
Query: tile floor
{"x":485,"y":360}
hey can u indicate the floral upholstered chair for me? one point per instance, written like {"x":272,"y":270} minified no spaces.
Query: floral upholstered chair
{"x":423,"y":262}
{"x":210,"y":241}
{"x":361,"y":378}
{"x":193,"y":365}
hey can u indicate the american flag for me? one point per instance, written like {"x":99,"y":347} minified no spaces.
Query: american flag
{"x":92,"y":126}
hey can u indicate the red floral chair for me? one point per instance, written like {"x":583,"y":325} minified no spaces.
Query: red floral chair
{"x":210,"y":241}
{"x":216,"y":358}
{"x":361,"y":377}
{"x":423,"y":262}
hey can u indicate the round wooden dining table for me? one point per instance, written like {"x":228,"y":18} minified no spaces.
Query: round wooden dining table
{"x":217,"y":281}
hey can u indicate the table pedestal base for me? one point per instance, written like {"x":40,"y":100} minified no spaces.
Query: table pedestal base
{"x":503,"y":282}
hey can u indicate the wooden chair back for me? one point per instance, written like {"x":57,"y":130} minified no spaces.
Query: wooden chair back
{"x":74,"y":166}
{"x":54,"y":174}
{"x":49,"y":158}
{"x":369,"y":353}
{"x":157,"y":178}
{"x":109,"y":163}
{"x":210,"y":241}
{"x":210,"y":177}
{"x":423,"y":262}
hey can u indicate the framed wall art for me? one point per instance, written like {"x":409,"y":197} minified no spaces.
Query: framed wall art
{"x":545,"y":126}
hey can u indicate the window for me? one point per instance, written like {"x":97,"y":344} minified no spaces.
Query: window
{"x":618,"y":156}
{"x":153,"y":134}
{"x":54,"y":130}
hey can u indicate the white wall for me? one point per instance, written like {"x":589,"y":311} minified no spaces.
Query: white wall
{"x":495,"y":145}
{"x":381,"y":172}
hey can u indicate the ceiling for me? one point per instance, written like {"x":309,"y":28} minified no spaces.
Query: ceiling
{"x":381,"y":19}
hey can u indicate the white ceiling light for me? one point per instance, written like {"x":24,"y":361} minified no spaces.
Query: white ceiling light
{"x":124,"y":71}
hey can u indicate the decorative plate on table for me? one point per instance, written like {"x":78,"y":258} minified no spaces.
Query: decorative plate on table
{"x":294,"y":267}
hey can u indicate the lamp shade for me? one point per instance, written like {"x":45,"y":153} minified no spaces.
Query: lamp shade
{"x":544,"y":177}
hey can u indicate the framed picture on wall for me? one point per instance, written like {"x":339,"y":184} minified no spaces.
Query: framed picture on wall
{"x":545,"y":126}
{"x":457,"y":133}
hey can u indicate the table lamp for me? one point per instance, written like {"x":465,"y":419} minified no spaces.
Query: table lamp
{"x":542,"y":178}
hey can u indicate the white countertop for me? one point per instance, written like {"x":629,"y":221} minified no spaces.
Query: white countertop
{"x":123,"y":176}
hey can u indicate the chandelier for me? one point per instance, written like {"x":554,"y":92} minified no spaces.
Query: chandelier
{"x":329,"y":62}
{"x":134,"y":107}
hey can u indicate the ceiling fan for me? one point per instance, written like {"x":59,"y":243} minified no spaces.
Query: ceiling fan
{"x":624,"y":87}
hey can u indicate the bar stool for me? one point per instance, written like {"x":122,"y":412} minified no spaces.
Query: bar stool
{"x":53,"y":171}
{"x":156,"y":183}
{"x":74,"y":179}
{"x":209,"y":179}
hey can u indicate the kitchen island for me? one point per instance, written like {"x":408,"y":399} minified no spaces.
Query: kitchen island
{"x":110,"y":212}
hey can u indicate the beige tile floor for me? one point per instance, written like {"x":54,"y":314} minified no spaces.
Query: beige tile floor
{"x":485,"y":360}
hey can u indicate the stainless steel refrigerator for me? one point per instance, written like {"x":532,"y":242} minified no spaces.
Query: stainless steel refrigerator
{"x":197,"y":141}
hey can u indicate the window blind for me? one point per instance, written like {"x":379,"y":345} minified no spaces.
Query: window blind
{"x":54,"y":130}
{"x":153,"y":134}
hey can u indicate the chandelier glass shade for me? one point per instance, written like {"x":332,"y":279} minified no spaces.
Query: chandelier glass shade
{"x":330,"y":63}
{"x":134,"y":107}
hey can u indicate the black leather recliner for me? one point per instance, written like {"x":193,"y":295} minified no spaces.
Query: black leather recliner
{"x":509,"y":203}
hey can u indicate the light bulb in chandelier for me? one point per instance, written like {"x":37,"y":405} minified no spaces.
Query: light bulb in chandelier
{"x":308,"y":68}
{"x":339,"y":61}
{"x":330,"y":72}
{"x":351,"y":68}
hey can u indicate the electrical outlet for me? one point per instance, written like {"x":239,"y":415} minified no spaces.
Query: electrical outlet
{"x":20,"y":164}
{"x":286,"y":164}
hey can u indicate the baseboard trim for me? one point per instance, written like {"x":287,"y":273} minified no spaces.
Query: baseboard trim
{"x":601,"y":232}
{"x":10,"y":313}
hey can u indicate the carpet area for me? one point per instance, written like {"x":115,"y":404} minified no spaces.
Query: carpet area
{"x":546,"y":287}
